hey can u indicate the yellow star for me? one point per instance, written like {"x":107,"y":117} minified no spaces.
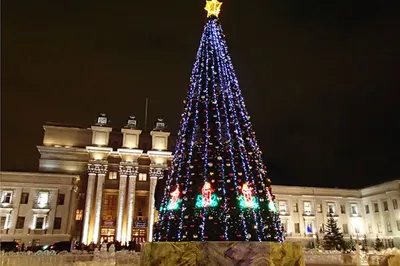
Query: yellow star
{"x":213,"y":8}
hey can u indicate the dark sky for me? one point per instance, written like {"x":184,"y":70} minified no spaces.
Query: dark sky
{"x":319,"y":78}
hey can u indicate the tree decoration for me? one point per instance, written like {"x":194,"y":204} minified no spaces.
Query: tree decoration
{"x":174,"y":201}
{"x":217,"y":164}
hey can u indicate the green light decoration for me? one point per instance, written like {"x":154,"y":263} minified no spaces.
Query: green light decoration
{"x":252,"y":204}
{"x":200,"y":203}
{"x":173,"y":205}
{"x":271,"y":206}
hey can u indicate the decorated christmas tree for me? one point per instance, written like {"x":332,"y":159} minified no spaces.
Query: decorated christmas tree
{"x":217,"y":189}
{"x":333,"y":238}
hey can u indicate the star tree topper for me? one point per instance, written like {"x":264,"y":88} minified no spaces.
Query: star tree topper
{"x":213,"y":8}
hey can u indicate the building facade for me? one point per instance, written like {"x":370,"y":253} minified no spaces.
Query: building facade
{"x":119,"y":169}
{"x":121,"y":174}
{"x":37,"y":208}
{"x":369,"y":212}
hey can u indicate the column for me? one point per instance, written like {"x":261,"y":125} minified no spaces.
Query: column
{"x":131,"y":205}
{"x":88,"y":207}
{"x":97,"y":208}
{"x":121,"y":205}
{"x":153,"y":183}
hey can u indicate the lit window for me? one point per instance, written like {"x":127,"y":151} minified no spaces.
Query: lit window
{"x":112,"y":175}
{"x":319,"y":207}
{"x":282,"y":206}
{"x":307,"y":207}
{"x":79,"y":215}
{"x":20,"y":222}
{"x":354,"y":209}
{"x":331,"y":208}
{"x":142,"y":177}
{"x":309,"y":227}
{"x":395,"y":205}
{"x":356,"y":229}
{"x":6,"y":196}
{"x":43,"y":198}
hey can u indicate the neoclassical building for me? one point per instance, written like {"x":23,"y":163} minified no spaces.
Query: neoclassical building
{"x":37,"y":208}
{"x":119,"y":170}
{"x":370,"y":212}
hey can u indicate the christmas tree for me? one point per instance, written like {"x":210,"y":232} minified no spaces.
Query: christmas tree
{"x":217,"y":189}
{"x":378,"y":244}
{"x":333,"y":238}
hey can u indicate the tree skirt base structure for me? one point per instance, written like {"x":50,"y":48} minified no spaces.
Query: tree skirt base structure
{"x":222,"y":253}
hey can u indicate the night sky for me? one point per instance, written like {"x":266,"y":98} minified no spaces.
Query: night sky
{"x":320,"y":78}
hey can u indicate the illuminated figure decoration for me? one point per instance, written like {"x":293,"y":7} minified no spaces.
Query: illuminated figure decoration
{"x":224,"y":190}
{"x":174,"y":201}
{"x":206,"y":199}
{"x":247,"y":200}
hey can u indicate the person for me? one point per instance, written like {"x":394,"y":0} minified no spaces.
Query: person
{"x":23,"y":247}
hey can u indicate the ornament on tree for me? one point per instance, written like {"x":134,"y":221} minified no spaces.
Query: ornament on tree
{"x":175,"y":200}
{"x":247,"y":200}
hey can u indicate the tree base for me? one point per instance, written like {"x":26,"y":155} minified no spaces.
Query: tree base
{"x":222,"y":253}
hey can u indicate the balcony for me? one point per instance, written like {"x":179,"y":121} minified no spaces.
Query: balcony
{"x":308,"y":214}
{"x":284,"y":213}
{"x":355,"y":215}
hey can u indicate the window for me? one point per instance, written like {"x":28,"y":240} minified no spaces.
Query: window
{"x":112,"y":175}
{"x":307,"y":207}
{"x":20,"y":222}
{"x":297,"y":228}
{"x":395,"y":205}
{"x":319,"y":208}
{"x":354,"y":209}
{"x":366,"y":209}
{"x":57,"y":223}
{"x":39,"y":223}
{"x":282,"y":206}
{"x":24,"y":198}
{"x":356,"y":229}
{"x":295,"y":207}
{"x":331,"y":208}
{"x":379,"y":227}
{"x":388,"y":227}
{"x":79,"y":215}
{"x":398,"y":225}
{"x":81,"y":196}
{"x":385,"y":206}
{"x":342,"y":209}
{"x":370,"y":229}
{"x":142,"y":176}
{"x":43,"y":198}
{"x":345,"y":229}
{"x":309,"y":227}
{"x":376,"y":207}
{"x":3,"y":220}
{"x":60,"y":199}
{"x":6,"y":197}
